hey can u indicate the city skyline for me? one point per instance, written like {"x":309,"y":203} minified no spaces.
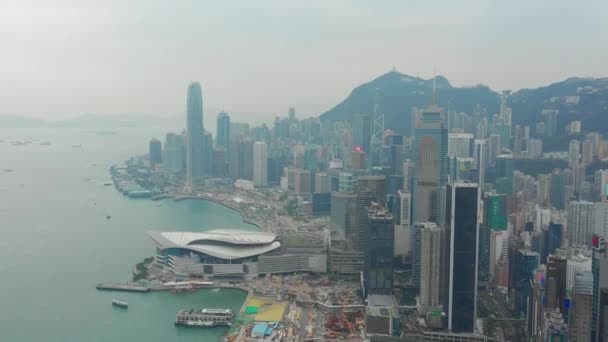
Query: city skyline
{"x":128,"y":50}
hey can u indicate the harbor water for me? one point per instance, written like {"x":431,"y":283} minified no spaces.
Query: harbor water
{"x":57,"y":243}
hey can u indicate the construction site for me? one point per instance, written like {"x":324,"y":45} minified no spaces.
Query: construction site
{"x":300,"y":308}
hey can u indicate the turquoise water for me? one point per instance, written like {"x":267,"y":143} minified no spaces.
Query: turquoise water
{"x":56,"y":242}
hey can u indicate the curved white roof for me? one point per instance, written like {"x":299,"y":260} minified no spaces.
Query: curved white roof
{"x":219,"y":243}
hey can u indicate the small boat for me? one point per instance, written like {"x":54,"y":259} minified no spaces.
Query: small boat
{"x":108,"y":217}
{"x":107,"y":184}
{"x":45,"y":143}
{"x":120,"y":304}
{"x":8,"y":170}
{"x":77,"y":146}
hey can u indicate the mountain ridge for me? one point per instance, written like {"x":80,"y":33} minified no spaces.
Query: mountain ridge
{"x":400,"y":93}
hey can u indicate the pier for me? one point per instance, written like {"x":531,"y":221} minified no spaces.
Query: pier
{"x":127,"y":287}
{"x":204,"y":317}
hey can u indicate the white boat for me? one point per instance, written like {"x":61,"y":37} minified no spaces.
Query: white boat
{"x":119,"y":303}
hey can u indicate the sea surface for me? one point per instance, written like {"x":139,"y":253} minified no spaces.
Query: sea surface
{"x":56,"y":243}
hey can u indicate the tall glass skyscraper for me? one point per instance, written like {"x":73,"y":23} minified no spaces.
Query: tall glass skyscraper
{"x":430,"y":165}
{"x":194,"y":138}
{"x":462,"y":259}
{"x":222,"y":139}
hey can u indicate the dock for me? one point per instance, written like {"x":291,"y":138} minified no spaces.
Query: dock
{"x":127,"y":287}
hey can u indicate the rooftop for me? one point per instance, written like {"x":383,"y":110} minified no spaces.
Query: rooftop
{"x":219,"y":243}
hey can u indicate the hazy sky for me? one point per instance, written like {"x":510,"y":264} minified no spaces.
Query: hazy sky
{"x":61,"y":58}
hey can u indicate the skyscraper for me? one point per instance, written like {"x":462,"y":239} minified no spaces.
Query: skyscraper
{"x":494,"y":149}
{"x":430,"y":165}
{"x":505,"y":169}
{"x":555,"y":282}
{"x":587,"y":155}
{"x":155,"y":152}
{"x":173,"y":153}
{"x":378,"y":264}
{"x":377,"y":132}
{"x":600,"y":218}
{"x":459,"y":144}
{"x":463,"y":225}
{"x":479,"y":156}
{"x":403,"y":226}
{"x":241,"y":159}
{"x":574,"y":152}
{"x":599,"y":268}
{"x":260,"y":164}
{"x":369,"y":189}
{"x":194,"y":134}
{"x":580,"y":222}
{"x":431,"y":237}
{"x":580,"y":321}
{"x":222,"y":138}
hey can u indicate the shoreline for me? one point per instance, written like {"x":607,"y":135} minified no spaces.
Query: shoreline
{"x":241,"y":212}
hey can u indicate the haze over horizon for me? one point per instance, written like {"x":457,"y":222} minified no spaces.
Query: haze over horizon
{"x":138,"y":57}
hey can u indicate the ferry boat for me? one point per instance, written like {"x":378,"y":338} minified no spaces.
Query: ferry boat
{"x":204,"y":318}
{"x":120,"y":304}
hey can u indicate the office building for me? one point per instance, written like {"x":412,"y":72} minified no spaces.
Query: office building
{"x":222,"y":138}
{"x":543,"y":190}
{"x":577,"y":263}
{"x":408,"y":175}
{"x":556,"y":282}
{"x":430,"y":165}
{"x":174,"y":153}
{"x":357,"y":159}
{"x":207,"y":150}
{"x":459,"y":144}
{"x":346,"y":182}
{"x":480,"y":153}
{"x":574,"y":152}
{"x":241,"y":159}
{"x":505,"y":169}
{"x":580,"y":315}
{"x":362,"y":131}
{"x":600,"y":219}
{"x":557,"y":189}
{"x":403,"y":224}
{"x":431,"y":238}
{"x":601,"y":185}
{"x":462,"y":257}
{"x":194,"y":138}
{"x":494,"y":149}
{"x":299,"y":152}
{"x":260,"y":164}
{"x":553,"y":239}
{"x":378,"y":263}
{"x":219,"y":163}
{"x":343,"y":215}
{"x":587,"y":155}
{"x":523,"y":263}
{"x":535,"y":148}
{"x":599,"y":268}
{"x":495,"y":206}
{"x":302,"y":182}
{"x":321,"y":183}
{"x":580,"y":222}
{"x":155,"y":153}
{"x":369,"y":189}
{"x":579,"y":178}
